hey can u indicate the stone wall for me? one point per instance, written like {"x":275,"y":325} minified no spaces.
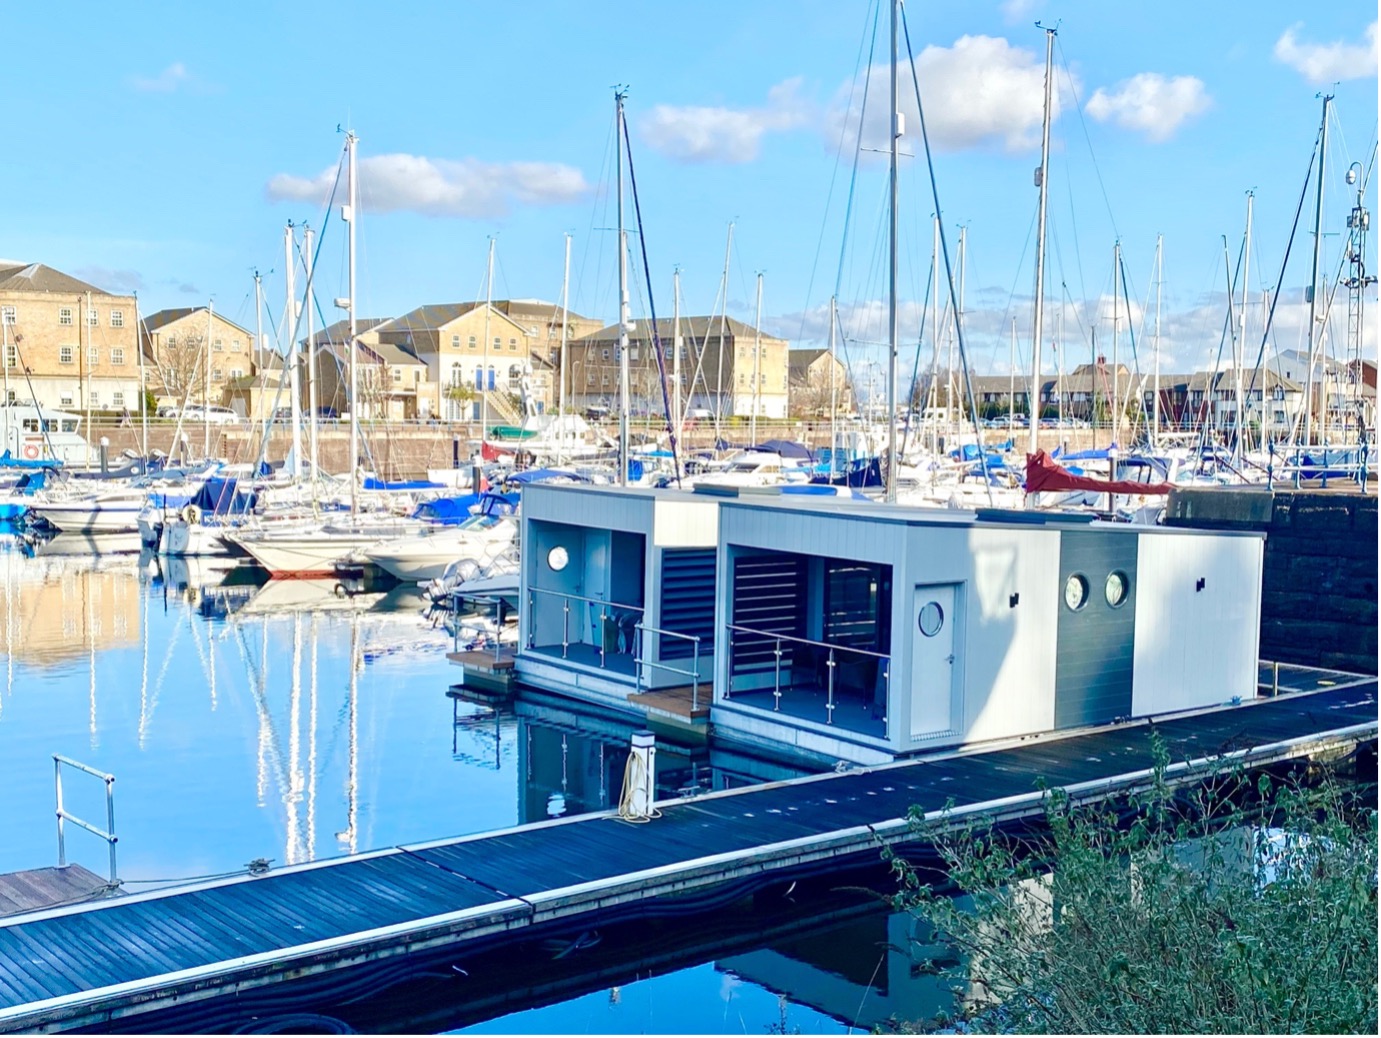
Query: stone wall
{"x":1319,"y":588}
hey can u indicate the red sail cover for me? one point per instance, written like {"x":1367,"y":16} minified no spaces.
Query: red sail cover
{"x":1042,"y":473}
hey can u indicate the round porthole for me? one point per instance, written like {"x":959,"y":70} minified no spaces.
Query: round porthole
{"x":1076,"y":591}
{"x":1117,"y":588}
{"x":557,"y":558}
{"x":931,"y":619}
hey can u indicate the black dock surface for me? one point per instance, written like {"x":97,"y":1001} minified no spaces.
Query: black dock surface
{"x":84,"y":964}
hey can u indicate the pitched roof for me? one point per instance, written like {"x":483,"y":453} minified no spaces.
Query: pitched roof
{"x":427,"y":318}
{"x":154,"y":321}
{"x":332,"y":339}
{"x":550,"y":313}
{"x":337,"y":331}
{"x":692,"y":328}
{"x":35,"y":277}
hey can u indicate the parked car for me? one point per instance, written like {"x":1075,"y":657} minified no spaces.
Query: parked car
{"x":214,"y":415}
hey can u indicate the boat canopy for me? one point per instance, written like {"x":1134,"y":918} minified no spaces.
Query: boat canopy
{"x":223,"y":496}
{"x":1042,"y":473}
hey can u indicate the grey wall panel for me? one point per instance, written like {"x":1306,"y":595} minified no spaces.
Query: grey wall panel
{"x":1095,"y":645}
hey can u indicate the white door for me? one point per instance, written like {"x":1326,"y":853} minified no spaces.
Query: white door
{"x":933,"y":648}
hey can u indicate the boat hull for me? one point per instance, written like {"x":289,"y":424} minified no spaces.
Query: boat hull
{"x":87,"y":518}
{"x":301,"y":555}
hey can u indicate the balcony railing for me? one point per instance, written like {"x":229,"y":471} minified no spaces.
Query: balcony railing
{"x":808,"y":677}
{"x":640,"y":661}
{"x":613,"y":629}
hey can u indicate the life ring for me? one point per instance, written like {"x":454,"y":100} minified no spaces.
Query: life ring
{"x":31,"y":451}
{"x":191,"y":515}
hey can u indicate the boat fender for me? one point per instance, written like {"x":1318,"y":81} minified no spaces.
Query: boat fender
{"x":191,"y":515}
{"x":31,"y":451}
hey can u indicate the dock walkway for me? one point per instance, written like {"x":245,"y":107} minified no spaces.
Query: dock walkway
{"x":86,"y":964}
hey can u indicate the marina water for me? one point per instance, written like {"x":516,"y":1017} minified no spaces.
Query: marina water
{"x":290,"y":722}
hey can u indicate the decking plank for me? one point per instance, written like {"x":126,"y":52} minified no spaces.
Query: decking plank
{"x":88,"y":947}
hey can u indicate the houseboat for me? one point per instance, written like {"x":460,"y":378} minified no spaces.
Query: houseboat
{"x":31,"y":434}
{"x":839,"y":629}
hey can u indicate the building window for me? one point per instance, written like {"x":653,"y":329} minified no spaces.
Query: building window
{"x":215,"y":374}
{"x":498,"y":343}
{"x":217,"y":345}
{"x":604,"y":354}
{"x":172,"y":342}
{"x":513,"y":344}
{"x":7,"y":314}
{"x":236,"y":346}
{"x":93,"y":356}
{"x":397,"y":374}
{"x":92,"y":318}
{"x":604,"y":380}
{"x":65,"y":317}
{"x":473,"y":343}
{"x":117,"y":355}
{"x":236,"y":373}
{"x":65,"y":354}
{"x":11,"y":356}
{"x":65,"y":399}
{"x":632,"y":354}
{"x":95,"y":398}
{"x":117,"y":398}
{"x":455,"y":342}
{"x":117,"y":318}
{"x":589,"y":378}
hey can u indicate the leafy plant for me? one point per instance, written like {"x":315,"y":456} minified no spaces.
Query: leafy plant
{"x":1237,"y":907}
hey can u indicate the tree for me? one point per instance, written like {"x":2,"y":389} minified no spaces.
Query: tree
{"x":1238,"y":908}
{"x":813,"y":395}
{"x":180,"y":364}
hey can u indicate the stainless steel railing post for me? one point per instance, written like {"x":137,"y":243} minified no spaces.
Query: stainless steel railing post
{"x":829,"y":694}
{"x":777,"y":677}
{"x":62,"y":840}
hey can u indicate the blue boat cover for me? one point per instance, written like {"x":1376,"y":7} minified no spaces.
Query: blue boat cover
{"x":222,"y":496}
{"x":370,"y":483}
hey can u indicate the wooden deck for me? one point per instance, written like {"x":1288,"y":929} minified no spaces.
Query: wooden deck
{"x":88,"y":964}
{"x":34,"y":889}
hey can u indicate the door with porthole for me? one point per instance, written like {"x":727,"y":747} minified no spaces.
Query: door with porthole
{"x":934,"y":660}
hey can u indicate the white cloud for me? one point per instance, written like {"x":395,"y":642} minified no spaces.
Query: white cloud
{"x":167,"y":81}
{"x":442,"y":187}
{"x":1150,"y":103}
{"x":703,"y":134}
{"x":1014,"y":11}
{"x":1324,"y":63}
{"x":980,"y":92}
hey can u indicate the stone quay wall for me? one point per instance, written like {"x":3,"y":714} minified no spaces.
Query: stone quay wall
{"x":1319,"y":588}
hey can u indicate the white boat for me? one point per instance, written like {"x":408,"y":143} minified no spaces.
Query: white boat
{"x":29,"y":433}
{"x":426,"y":554}
{"x":312,"y":549}
{"x":753,"y":468}
{"x":110,"y":511}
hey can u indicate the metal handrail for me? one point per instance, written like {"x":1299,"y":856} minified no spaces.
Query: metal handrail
{"x":830,"y":664}
{"x":566,"y":599}
{"x":693,"y":673}
{"x":63,"y":815}
{"x":806,"y":641}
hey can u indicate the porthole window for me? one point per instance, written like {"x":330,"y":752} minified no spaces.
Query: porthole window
{"x":557,"y":558}
{"x":931,"y":619}
{"x":1117,"y":588}
{"x":1076,"y":591}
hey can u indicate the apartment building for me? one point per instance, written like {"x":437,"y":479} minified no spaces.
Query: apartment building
{"x":67,"y":344}
{"x":194,"y":355}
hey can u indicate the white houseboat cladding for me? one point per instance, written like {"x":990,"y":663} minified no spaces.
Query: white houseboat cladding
{"x":862,"y":632}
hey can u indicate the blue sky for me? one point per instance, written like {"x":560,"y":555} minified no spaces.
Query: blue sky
{"x":163,"y":146}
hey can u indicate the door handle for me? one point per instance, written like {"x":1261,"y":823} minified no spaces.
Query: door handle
{"x":950,"y":659}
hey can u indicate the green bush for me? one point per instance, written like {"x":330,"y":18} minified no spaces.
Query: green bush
{"x":1238,"y":908}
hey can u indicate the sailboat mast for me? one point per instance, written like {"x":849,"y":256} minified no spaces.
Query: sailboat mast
{"x":565,"y":320}
{"x":891,"y":490}
{"x":206,"y":382}
{"x":143,"y":387}
{"x":757,"y":365}
{"x":1115,"y":411}
{"x":1042,"y":176}
{"x":1314,"y":273}
{"x":293,"y":356}
{"x":834,"y":392}
{"x":254,"y":349}
{"x":1155,"y":398}
{"x":313,"y":390}
{"x":349,"y":216}
{"x":1241,"y":429}
{"x":483,"y":380}
{"x":1012,"y":382}
{"x":676,"y":352}
{"x":625,"y":317}
{"x":723,"y":334}
{"x":954,"y":330}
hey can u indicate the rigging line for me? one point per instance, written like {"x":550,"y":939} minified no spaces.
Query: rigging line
{"x":916,"y":364}
{"x":1079,"y":108}
{"x":858,"y":155}
{"x":834,"y":173}
{"x":651,"y":306}
{"x":1284,"y":261}
{"x":1211,"y":382}
{"x":1131,"y":335}
{"x":949,"y":270}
